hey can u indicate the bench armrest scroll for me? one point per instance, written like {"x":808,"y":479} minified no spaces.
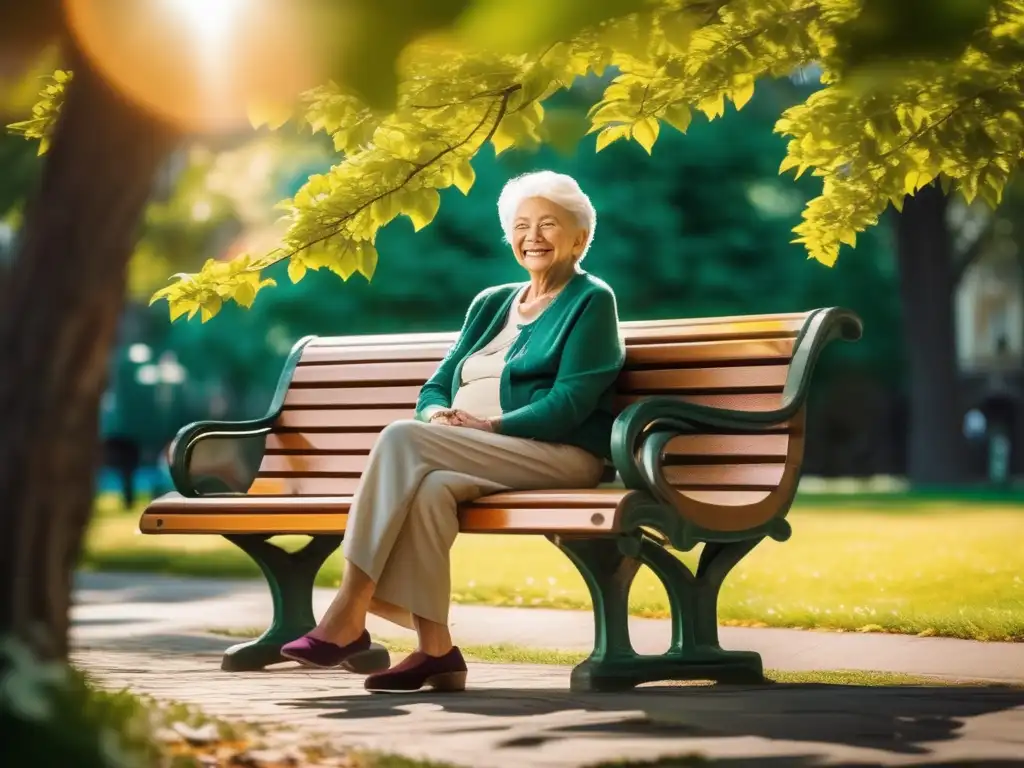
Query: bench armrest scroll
{"x":662,"y":414}
{"x":231,"y":451}
{"x":644,"y":429}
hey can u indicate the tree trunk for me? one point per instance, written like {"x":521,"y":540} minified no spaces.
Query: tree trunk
{"x":936,"y":450}
{"x":59,"y":307}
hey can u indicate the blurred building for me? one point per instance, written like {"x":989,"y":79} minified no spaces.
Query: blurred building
{"x":990,"y":351}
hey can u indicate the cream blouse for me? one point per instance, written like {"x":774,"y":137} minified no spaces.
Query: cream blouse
{"x":479,"y":392}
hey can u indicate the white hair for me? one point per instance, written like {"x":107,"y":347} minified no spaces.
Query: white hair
{"x":556,"y":187}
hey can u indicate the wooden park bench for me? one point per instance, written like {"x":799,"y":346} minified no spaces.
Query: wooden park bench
{"x":707,"y":448}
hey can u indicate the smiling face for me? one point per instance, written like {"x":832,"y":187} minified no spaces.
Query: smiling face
{"x":545,"y":237}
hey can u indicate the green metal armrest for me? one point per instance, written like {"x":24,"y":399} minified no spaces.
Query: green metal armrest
{"x":245,"y":441}
{"x":642,"y":431}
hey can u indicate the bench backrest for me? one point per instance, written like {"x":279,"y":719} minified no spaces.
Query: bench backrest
{"x":346,"y":389}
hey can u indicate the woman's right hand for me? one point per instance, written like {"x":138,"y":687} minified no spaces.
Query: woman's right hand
{"x":445,"y":418}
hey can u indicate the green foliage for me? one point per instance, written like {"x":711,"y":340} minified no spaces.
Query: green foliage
{"x":953,"y":112}
{"x":50,"y":716}
{"x":959,"y":124}
{"x":872,"y":140}
{"x":18,"y":168}
{"x":45,"y":111}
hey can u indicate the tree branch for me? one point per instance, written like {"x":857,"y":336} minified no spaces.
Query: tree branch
{"x":416,"y":169}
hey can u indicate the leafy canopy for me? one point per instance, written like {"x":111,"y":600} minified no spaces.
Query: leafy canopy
{"x":916,"y":92}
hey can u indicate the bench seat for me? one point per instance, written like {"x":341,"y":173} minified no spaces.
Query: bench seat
{"x":591,"y":512}
{"x":707,"y":449}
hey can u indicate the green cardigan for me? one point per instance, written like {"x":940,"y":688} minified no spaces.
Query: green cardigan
{"x":558,"y":381}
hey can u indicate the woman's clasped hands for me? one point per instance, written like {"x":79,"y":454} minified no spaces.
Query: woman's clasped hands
{"x":454,"y":417}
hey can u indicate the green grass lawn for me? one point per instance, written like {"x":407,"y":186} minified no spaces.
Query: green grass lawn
{"x":923,"y":566}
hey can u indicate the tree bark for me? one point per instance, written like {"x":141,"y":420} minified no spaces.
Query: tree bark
{"x":936,"y":449}
{"x":60,"y":302}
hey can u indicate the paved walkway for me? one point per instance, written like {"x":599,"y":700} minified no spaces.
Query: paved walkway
{"x":112,"y":605}
{"x":147,"y":632}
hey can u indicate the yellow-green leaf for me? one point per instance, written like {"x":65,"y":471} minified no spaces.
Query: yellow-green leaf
{"x":713,"y":106}
{"x":645,"y":132}
{"x":610,"y":134}
{"x":273,"y":115}
{"x":296,"y":270}
{"x":180,"y":306}
{"x":503,"y":137}
{"x":914,"y":180}
{"x":245,"y":294}
{"x":789,"y":161}
{"x":464,"y":176}
{"x":210,"y":307}
{"x":677,"y":115}
{"x":422,"y":207}
{"x":743,"y":91}
{"x":367,"y":260}
{"x":345,"y":263}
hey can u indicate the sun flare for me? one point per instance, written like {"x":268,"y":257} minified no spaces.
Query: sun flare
{"x":199,"y":64}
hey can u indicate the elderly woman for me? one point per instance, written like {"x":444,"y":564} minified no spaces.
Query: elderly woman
{"x":522,"y":401}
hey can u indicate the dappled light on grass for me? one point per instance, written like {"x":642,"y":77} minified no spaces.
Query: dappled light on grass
{"x":934,"y":569}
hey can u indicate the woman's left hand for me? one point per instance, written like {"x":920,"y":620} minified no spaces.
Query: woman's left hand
{"x":463,"y":419}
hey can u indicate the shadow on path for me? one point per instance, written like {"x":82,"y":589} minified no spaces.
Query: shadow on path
{"x":899,"y":720}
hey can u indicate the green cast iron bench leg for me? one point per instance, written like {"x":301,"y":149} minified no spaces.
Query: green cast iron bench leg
{"x":290,"y":576}
{"x":608,"y":566}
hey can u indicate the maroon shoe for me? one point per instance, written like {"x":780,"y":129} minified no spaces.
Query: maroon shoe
{"x":442,"y":673}
{"x":360,"y":656}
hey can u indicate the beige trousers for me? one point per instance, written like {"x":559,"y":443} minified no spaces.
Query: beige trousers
{"x":403,"y":520}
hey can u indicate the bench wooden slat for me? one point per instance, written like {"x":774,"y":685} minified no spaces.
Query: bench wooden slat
{"x":352,"y":396}
{"x":410,"y":372}
{"x":686,"y":445}
{"x":279,"y":523}
{"x":760,"y":401}
{"x":318,"y":355}
{"x":767,"y":350}
{"x":731,"y":498}
{"x":733,"y":377}
{"x":772,"y":349}
{"x":794,"y":319}
{"x":740,"y":340}
{"x":775,"y":445}
{"x":537,"y":520}
{"x":323,"y":476}
{"x":305,"y":486}
{"x":354,"y":419}
{"x":344,"y":464}
{"x":348,"y":442}
{"x":276,"y":465}
{"x":691,"y":447}
{"x":519,"y":512}
{"x":736,"y":325}
{"x":472,"y":520}
{"x":685,"y":476}
{"x":589,"y":499}
{"x":586,"y":497}
{"x":710,"y":331}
